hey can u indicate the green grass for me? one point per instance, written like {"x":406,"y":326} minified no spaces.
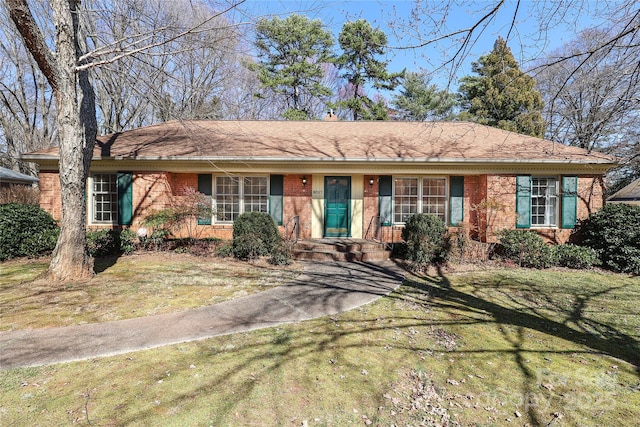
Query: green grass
{"x":487,"y":348}
{"x":143,"y":284}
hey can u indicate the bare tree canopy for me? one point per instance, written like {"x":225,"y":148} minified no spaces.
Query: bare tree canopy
{"x":65,"y":59}
{"x":438,"y":26}
{"x":593,"y":95}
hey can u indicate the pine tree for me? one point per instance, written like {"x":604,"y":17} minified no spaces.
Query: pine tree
{"x":291,"y":53}
{"x":501,"y":95}
{"x":361,"y":45}
{"x":418,"y":100}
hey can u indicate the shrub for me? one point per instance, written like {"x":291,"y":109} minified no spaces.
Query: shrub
{"x":225,"y":250}
{"x":526,"y":248}
{"x":249,"y":246}
{"x":281,"y":254}
{"x":26,"y":230}
{"x":255,"y":234}
{"x":161,"y":222}
{"x":425,"y":239}
{"x":614,"y":233}
{"x":573,"y":256}
{"x":127,"y":241}
{"x":104,"y":242}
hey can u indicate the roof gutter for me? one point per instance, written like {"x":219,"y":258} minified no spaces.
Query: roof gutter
{"x":50,"y":157}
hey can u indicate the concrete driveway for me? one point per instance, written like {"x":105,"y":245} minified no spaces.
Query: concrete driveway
{"x":324,"y":288}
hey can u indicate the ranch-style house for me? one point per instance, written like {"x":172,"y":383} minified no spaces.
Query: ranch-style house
{"x":338,"y":178}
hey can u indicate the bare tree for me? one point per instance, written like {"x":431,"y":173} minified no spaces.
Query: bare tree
{"x":434,"y":25}
{"x":593,"y":96}
{"x":180,"y":78}
{"x":243,"y":97}
{"x":66,"y":69}
{"x":26,"y":102}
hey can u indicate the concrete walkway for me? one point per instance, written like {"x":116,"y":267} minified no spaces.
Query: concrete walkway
{"x":324,"y":288}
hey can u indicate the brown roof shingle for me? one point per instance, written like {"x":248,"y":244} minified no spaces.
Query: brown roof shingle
{"x":315,"y":140}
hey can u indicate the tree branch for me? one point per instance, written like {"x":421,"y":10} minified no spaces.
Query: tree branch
{"x":87,"y":65}
{"x":34,"y":40}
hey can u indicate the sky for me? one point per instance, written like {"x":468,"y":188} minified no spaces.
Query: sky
{"x":394,"y":18}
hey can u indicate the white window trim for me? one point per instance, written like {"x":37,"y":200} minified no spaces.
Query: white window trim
{"x":420,"y":195}
{"x":90,"y":201}
{"x":557,"y":207}
{"x":241,"y":210}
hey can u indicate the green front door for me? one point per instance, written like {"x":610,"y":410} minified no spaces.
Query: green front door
{"x":337,"y":199}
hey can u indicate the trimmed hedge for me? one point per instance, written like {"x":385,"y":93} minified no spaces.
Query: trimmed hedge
{"x":26,"y":230}
{"x":255,"y":234}
{"x":425,"y":239}
{"x":573,"y":256}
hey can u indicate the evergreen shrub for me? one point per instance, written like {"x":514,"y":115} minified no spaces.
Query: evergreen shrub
{"x":105,"y":242}
{"x":614,"y":233}
{"x":281,"y":254}
{"x":26,"y":230}
{"x":255,"y":234}
{"x":426,"y":242}
{"x":526,"y":248}
{"x":574,"y":256}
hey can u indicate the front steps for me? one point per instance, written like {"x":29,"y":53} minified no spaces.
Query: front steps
{"x":338,"y":249}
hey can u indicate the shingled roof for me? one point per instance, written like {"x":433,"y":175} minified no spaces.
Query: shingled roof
{"x":296,"y":141}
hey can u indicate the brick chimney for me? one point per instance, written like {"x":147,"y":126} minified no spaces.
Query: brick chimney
{"x":331,"y":116}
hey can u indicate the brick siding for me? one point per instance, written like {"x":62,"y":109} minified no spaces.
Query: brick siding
{"x":297,"y":202}
{"x":489,"y":203}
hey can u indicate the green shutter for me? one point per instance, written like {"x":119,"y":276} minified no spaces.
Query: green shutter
{"x":125,"y":198}
{"x":385,"y":199}
{"x":569,"y":201}
{"x":276,"y":193}
{"x":205,"y":186}
{"x":456,"y":200}
{"x":523,"y":201}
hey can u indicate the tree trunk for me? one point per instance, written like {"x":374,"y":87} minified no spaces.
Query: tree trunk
{"x":77,"y":126}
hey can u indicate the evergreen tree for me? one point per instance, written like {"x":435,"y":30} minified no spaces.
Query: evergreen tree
{"x":291,"y":52}
{"x":418,"y":100}
{"x":361,"y":45}
{"x":501,"y":95}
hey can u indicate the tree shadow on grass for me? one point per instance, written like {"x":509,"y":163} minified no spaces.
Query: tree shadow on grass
{"x":507,"y":312}
{"x":599,"y":336}
{"x":570,"y":322}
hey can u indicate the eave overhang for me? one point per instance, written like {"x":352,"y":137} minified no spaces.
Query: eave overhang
{"x":327,"y":165}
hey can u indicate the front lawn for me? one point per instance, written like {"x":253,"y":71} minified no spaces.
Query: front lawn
{"x":142,"y":284}
{"x":505,"y":347}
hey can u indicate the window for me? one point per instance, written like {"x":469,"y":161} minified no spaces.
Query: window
{"x":544,"y":202}
{"x":434,"y":197}
{"x":419,"y":195}
{"x":405,"y":199}
{"x":255,"y":194}
{"x":236,"y":195}
{"x":104,"y":198}
{"x":538,"y":201}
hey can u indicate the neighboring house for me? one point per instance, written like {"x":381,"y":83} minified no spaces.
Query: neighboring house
{"x":629,"y":194}
{"x":9,"y":177}
{"x":339,"y":179}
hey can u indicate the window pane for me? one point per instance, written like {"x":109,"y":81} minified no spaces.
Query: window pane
{"x":433,"y":197}
{"x":227,"y":198}
{"x":544,"y":202}
{"x":105,"y":198}
{"x":255,"y":194}
{"x":405,"y":200}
